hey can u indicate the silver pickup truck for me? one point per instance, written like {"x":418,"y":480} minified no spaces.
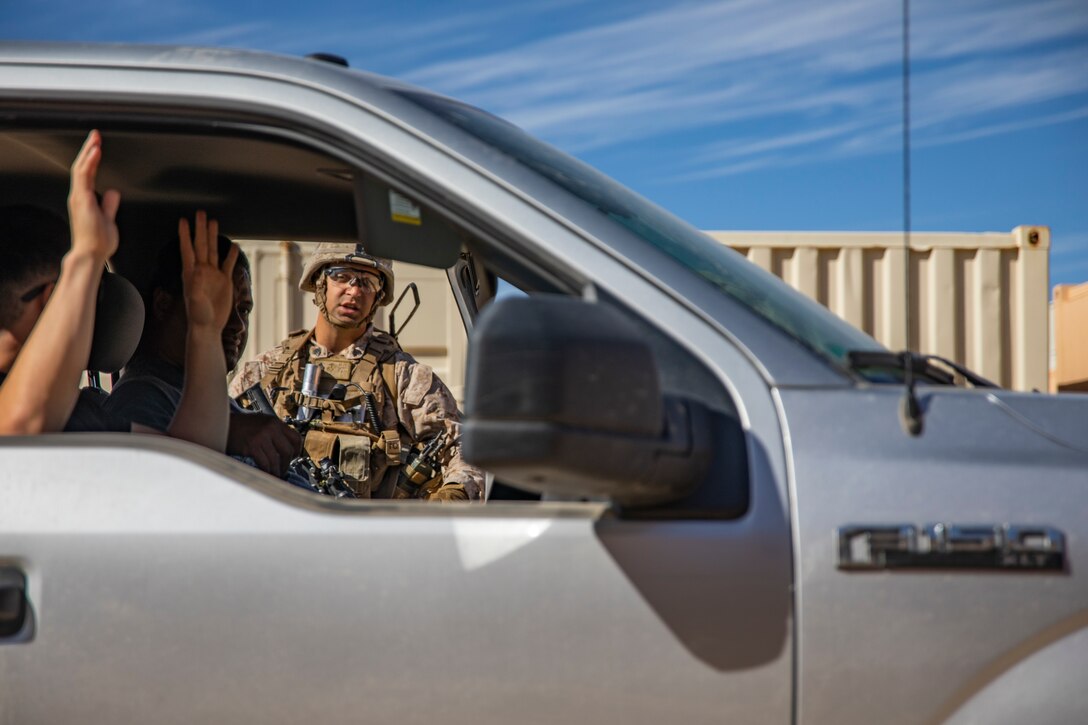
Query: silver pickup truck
{"x":714,"y":500}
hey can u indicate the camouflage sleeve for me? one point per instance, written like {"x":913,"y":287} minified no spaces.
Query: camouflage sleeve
{"x":426,"y":407}
{"x":249,"y":374}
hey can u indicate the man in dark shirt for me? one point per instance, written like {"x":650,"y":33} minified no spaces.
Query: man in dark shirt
{"x":150,"y":389}
{"x":48,"y":287}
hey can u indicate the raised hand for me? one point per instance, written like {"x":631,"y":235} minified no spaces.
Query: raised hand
{"x":209,"y":290}
{"x":94,"y":230}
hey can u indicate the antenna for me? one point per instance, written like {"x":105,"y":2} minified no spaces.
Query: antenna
{"x":906,"y":175}
{"x":910,"y":409}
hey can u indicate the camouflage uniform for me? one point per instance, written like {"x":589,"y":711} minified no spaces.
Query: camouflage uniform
{"x":411,"y":403}
{"x":423,"y":407}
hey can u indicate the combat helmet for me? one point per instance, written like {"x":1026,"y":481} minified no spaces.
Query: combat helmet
{"x":351,"y":254}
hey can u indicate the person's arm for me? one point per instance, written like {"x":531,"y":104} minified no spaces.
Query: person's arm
{"x":426,"y":407}
{"x":42,"y":386}
{"x":203,"y":414}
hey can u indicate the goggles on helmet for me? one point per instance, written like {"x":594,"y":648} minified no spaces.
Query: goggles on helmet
{"x":345,"y":276}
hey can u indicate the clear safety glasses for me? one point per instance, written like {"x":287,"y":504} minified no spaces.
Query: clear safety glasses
{"x":345,"y":276}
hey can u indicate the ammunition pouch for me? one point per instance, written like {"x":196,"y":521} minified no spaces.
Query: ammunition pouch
{"x":350,"y":453}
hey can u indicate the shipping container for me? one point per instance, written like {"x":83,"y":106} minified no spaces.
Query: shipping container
{"x":977,"y":299}
{"x":1069,"y":369}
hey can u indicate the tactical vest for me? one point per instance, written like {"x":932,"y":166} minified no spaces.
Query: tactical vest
{"x":368,"y":459}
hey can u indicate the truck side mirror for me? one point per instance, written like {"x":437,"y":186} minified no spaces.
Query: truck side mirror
{"x":562,"y":397}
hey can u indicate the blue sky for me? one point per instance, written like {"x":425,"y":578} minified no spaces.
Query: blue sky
{"x":742,"y":114}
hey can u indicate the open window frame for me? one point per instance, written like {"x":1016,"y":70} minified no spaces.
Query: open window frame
{"x":265,"y":178}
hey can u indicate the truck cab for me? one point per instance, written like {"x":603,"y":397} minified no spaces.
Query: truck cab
{"x":737,"y":521}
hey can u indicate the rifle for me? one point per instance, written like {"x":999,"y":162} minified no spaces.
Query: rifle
{"x":324,"y":478}
{"x":258,"y":400}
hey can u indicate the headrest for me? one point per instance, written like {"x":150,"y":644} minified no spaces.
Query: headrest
{"x":118,"y":324}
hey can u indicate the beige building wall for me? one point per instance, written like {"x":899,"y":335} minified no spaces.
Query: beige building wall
{"x":978,"y":299}
{"x":1070,"y":325}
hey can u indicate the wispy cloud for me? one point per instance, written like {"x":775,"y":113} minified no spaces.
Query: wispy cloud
{"x":981,"y":131}
{"x":737,"y":157}
{"x":980,"y":87}
{"x":393,"y":39}
{"x":1072,"y":244}
{"x":220,"y":35}
{"x":821,"y":79}
{"x":390,"y":38}
{"x":764,"y":83}
{"x":114,"y":20}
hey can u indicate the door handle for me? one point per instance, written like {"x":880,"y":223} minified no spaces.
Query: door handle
{"x":13,"y":604}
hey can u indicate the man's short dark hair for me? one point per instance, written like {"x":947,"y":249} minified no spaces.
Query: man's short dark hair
{"x":167,"y":275}
{"x":33,"y":241}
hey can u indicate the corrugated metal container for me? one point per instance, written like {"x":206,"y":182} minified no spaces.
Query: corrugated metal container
{"x":977,"y":299}
{"x":1070,"y":325}
{"x":278,"y":305}
{"x":435,"y":335}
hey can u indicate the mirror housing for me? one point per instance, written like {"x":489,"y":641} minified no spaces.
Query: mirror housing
{"x":562,"y":397}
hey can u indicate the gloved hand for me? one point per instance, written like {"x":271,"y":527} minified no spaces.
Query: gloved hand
{"x":449,"y":491}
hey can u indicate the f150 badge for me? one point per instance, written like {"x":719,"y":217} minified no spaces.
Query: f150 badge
{"x":951,"y":546}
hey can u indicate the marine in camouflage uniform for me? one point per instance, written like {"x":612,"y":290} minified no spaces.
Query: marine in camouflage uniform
{"x":412,"y":405}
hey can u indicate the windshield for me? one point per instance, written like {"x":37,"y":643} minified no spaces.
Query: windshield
{"x":807,"y":321}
